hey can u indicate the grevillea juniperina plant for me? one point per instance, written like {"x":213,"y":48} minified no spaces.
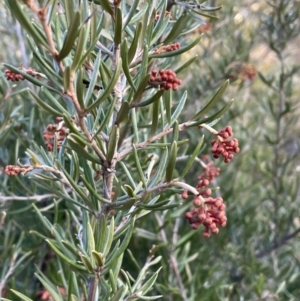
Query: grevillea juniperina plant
{"x":110,"y":74}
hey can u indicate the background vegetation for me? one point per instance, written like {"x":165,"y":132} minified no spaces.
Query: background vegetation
{"x":255,"y":44}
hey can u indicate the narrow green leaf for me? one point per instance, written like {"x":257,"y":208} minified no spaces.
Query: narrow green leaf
{"x":79,"y":87}
{"x":106,"y":6}
{"x":129,"y":191}
{"x":65,"y":258}
{"x":118,"y":26}
{"x":141,"y":89}
{"x":112,"y":281}
{"x":134,"y":125}
{"x":71,"y":36}
{"x":81,"y":45}
{"x":177,"y":28}
{"x":72,"y":141}
{"x":87,"y":263}
{"x":71,"y":285}
{"x":212,"y":102}
{"x":138,"y":165}
{"x":88,"y":95}
{"x":69,"y":9}
{"x":134,"y":44}
{"x":175,"y":134}
{"x":125,"y":63}
{"x":192,"y":157}
{"x":109,"y":237}
{"x":77,"y":188}
{"x":160,"y":169}
{"x":98,"y":258}
{"x":52,"y":11}
{"x":35,"y":162}
{"x":70,"y":248}
{"x":90,"y":238}
{"x":179,"y":109}
{"x":112,"y":143}
{"x":138,"y":16}
{"x":150,"y":26}
{"x":131,"y":12}
{"x":53,"y":102}
{"x":203,"y":14}
{"x":118,"y":294}
{"x":161,"y":24}
{"x":128,"y":174}
{"x":144,"y":65}
{"x":107,"y":117}
{"x":122,"y":115}
{"x":186,"y":64}
{"x":154,"y":122}
{"x":74,"y":298}
{"x":49,"y":287}
{"x":114,"y":255}
{"x":44,"y":221}
{"x":184,"y":239}
{"x":23,"y":297}
{"x":172,"y":162}
{"x":210,"y":8}
{"x":101,"y":233}
{"x":215,"y":116}
{"x":93,"y":192}
{"x":67,"y":78}
{"x":145,"y":21}
{"x":155,"y":205}
{"x":22,"y":17}
{"x":149,"y":283}
{"x":108,"y":89}
{"x":152,"y":99}
{"x":168,"y":104}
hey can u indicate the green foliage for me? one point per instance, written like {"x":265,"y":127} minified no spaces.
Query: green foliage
{"x":96,"y":212}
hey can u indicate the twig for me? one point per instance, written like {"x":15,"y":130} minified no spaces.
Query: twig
{"x":106,"y":50}
{"x":41,"y":13}
{"x":278,"y":244}
{"x":145,"y":143}
{"x":8,"y":273}
{"x":172,"y":258}
{"x":35,"y":197}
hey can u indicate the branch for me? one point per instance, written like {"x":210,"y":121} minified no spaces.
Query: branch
{"x":145,"y":143}
{"x":108,"y":175}
{"x":9,"y":273}
{"x":173,"y":261}
{"x":41,"y":14}
{"x":278,"y":244}
{"x":35,"y":197}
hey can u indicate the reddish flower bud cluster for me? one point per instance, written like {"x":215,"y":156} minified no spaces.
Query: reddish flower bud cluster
{"x":14,"y":170}
{"x":210,"y":173}
{"x":166,"y":79}
{"x":210,"y":212}
{"x":168,"y":48}
{"x":55,"y":130}
{"x":205,"y":178}
{"x":167,"y":14}
{"x":223,"y":147}
{"x":15,"y":77}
